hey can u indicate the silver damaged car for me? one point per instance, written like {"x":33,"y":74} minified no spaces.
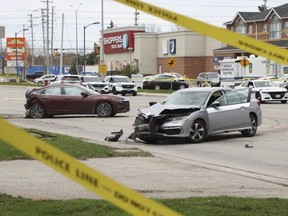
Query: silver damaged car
{"x":196,"y":113}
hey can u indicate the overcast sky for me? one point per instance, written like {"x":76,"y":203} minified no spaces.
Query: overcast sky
{"x":14,"y":14}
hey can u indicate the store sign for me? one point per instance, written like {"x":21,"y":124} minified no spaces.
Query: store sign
{"x":117,"y":42}
{"x":12,"y":45}
{"x":172,"y":46}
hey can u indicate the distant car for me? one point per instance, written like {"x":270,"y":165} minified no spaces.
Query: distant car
{"x":63,"y":99}
{"x":45,"y":79}
{"x":95,"y":83}
{"x":164,"y":81}
{"x":282,"y":79}
{"x":72,"y":79}
{"x":196,"y":113}
{"x":208,"y":79}
{"x":266,"y":90}
{"x":121,"y":85}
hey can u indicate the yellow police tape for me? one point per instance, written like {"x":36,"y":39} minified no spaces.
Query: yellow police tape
{"x":119,"y":195}
{"x":234,"y":39}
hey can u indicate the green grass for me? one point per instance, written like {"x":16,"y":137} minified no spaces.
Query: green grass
{"x":161,"y":91}
{"x":198,"y":206}
{"x":206,"y":206}
{"x":75,"y":147}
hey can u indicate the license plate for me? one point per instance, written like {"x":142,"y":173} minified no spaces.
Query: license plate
{"x":278,"y":96}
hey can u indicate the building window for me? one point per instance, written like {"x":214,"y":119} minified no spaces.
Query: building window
{"x":275,"y":28}
{"x":249,"y":29}
{"x":264,"y":27}
{"x":240,"y":28}
{"x":286,"y":25}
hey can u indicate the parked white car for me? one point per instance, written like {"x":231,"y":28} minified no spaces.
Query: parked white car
{"x":47,"y":78}
{"x":121,"y":85}
{"x":266,"y":90}
{"x":95,"y":83}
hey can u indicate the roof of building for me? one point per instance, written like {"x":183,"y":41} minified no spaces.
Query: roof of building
{"x":281,"y":11}
{"x":280,"y":43}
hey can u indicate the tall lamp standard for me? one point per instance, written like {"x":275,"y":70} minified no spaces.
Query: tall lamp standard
{"x":84,"y":47}
{"x":16,"y":34}
{"x":76,"y":13}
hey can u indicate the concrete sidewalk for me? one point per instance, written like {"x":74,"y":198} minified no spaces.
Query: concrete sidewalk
{"x":153,"y":177}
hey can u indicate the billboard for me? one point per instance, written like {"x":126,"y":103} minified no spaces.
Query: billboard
{"x":12,"y":45}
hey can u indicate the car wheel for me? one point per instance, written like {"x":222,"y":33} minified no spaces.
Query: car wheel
{"x":181,"y":86}
{"x":283,"y":101}
{"x":258,"y":97}
{"x":40,"y":82}
{"x":157,"y":87}
{"x":134,"y":93}
{"x":198,"y":132}
{"x":114,"y":91}
{"x":252,"y":131}
{"x":104,"y":109}
{"x":37,"y":111}
{"x":123,"y":94}
{"x":199,"y":84}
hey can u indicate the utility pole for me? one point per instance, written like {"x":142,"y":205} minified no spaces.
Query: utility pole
{"x":43,"y":33}
{"x":52,"y":34}
{"x":47,"y":37}
{"x":136,"y":18}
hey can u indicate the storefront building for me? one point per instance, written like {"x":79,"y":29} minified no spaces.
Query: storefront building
{"x":183,"y":51}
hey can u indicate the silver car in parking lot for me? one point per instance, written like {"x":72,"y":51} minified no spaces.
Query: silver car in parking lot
{"x":196,"y":113}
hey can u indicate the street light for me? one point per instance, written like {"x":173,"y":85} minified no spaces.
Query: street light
{"x":76,"y":12}
{"x":16,"y":33}
{"x":94,"y":23}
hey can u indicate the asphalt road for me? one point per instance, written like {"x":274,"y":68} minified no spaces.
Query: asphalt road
{"x":220,"y":166}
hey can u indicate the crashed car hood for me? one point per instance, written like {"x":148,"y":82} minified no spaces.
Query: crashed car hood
{"x":160,"y":109}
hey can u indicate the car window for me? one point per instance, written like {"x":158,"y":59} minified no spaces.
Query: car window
{"x":214,"y":97}
{"x":197,"y":98}
{"x":72,"y":91}
{"x":234,"y":97}
{"x":244,"y":84}
{"x":52,"y":91}
{"x":265,"y":84}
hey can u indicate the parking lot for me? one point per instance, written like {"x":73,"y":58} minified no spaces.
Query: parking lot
{"x":223,"y":165}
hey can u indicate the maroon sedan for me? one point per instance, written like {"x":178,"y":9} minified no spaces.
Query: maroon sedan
{"x":64,"y":99}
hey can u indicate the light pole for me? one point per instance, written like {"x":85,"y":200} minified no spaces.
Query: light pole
{"x":84,"y":47}
{"x":16,"y":39}
{"x":130,"y":49}
{"x":76,"y":13}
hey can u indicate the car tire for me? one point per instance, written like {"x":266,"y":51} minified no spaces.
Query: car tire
{"x":37,"y":111}
{"x":251,"y":132}
{"x":199,"y":84}
{"x":157,"y":87}
{"x":258,"y":97}
{"x":134,"y":93}
{"x":114,"y":91}
{"x":198,"y":132}
{"x":40,"y":83}
{"x":123,"y":94}
{"x":181,"y":87}
{"x":103,"y":109}
{"x":283,"y":101}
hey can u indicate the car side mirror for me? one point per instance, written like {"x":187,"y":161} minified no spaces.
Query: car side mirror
{"x":152,"y":103}
{"x":84,"y":94}
{"x":215,"y":104}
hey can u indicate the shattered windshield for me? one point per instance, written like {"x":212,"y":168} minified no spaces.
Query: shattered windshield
{"x":197,"y":98}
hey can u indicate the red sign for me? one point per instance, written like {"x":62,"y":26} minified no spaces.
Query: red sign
{"x":12,"y":45}
{"x":117,"y":42}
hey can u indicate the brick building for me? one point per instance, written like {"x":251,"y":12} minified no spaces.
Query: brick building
{"x":270,"y":25}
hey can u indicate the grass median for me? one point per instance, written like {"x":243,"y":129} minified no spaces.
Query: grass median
{"x":198,"y":206}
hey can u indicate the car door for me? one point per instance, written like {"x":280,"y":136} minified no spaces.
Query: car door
{"x":75,"y":102}
{"x":230,"y":112}
{"x":52,"y":100}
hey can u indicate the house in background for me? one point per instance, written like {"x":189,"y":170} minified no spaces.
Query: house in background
{"x":270,"y":25}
